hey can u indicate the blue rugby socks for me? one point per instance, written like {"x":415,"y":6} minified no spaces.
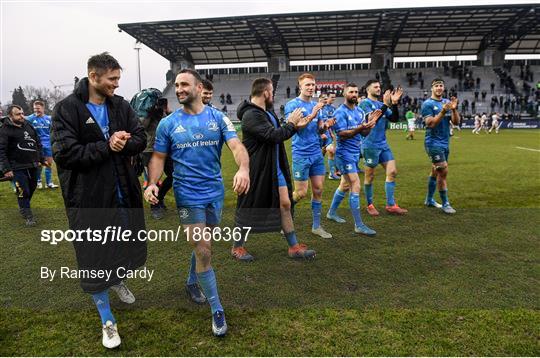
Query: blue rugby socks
{"x":101,"y":299}
{"x":208,"y":283}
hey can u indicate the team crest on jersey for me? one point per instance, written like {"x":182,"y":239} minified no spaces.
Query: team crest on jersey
{"x":179,"y":129}
{"x":212,"y":125}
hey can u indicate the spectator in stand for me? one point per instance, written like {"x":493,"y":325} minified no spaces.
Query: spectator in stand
{"x":484,"y":94}
{"x":288,"y":92}
{"x":222,"y":98}
{"x":478,"y":83}
{"x":229,"y":98}
{"x":476,"y":93}
{"x":492,"y":86}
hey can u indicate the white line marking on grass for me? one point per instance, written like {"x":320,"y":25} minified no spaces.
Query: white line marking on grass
{"x":532,"y":150}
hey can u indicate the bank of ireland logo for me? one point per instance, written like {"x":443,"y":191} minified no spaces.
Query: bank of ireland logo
{"x":183,"y":213}
{"x":212,"y":126}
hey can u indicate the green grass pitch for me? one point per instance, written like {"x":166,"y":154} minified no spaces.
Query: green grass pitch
{"x":427,"y":284}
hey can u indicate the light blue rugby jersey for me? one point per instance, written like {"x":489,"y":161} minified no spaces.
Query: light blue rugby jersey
{"x":439,"y":136}
{"x":346,"y":119}
{"x":194,"y":143}
{"x":305,"y":142}
{"x":377,"y":136}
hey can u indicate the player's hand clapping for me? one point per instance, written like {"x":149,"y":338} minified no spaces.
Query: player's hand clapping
{"x":329,"y":123}
{"x":118,"y":140}
{"x":453,"y":103}
{"x":396,"y":95}
{"x":373,"y":118}
{"x":316,"y":109}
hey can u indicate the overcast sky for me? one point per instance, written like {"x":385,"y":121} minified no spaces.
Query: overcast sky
{"x":44,"y":41}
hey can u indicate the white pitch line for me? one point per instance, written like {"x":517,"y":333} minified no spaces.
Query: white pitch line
{"x":532,"y":150}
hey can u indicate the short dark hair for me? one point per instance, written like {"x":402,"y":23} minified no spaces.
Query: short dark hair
{"x":39,"y":103}
{"x":437,"y":79}
{"x":103,"y":62}
{"x":207,"y":85}
{"x":198,"y":78}
{"x":259,"y":86}
{"x":351,"y":84}
{"x":370,"y":82}
{"x":11,"y":108}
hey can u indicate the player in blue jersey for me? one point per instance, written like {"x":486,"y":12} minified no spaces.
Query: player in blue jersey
{"x":375,"y":148}
{"x":329,"y":137}
{"x":439,"y":114}
{"x":308,"y":161}
{"x":193,"y":136}
{"x":42,"y":124}
{"x":351,"y":123}
{"x":207,"y":93}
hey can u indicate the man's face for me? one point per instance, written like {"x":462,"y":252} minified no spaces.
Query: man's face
{"x":206,"y":96}
{"x":437,"y":89}
{"x":323,"y":99}
{"x":374,"y":89}
{"x":331,"y":98}
{"x":307,"y":87}
{"x":106,"y":83}
{"x":269,"y":96}
{"x":17,"y":116}
{"x":39,"y":110}
{"x":187,"y":89}
{"x":351,"y":95}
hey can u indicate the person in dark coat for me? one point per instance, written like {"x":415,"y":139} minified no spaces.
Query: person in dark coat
{"x":266,"y":207}
{"x":20,"y":158}
{"x":95,"y":135}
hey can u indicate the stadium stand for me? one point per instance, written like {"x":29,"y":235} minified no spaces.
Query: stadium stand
{"x":488,"y":32}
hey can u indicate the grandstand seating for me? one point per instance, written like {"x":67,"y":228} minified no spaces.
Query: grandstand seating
{"x":239,"y":85}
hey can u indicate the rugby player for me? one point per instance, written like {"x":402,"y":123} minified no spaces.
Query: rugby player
{"x":193,"y":136}
{"x":439,"y":113}
{"x":375,"y":148}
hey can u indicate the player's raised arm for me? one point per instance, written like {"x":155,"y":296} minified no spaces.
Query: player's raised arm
{"x":456,"y":118}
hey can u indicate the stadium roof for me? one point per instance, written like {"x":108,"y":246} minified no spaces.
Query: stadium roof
{"x":438,"y":31}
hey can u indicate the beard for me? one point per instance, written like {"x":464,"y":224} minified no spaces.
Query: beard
{"x":352,"y":100}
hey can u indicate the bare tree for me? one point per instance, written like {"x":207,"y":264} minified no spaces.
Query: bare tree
{"x":50,"y":97}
